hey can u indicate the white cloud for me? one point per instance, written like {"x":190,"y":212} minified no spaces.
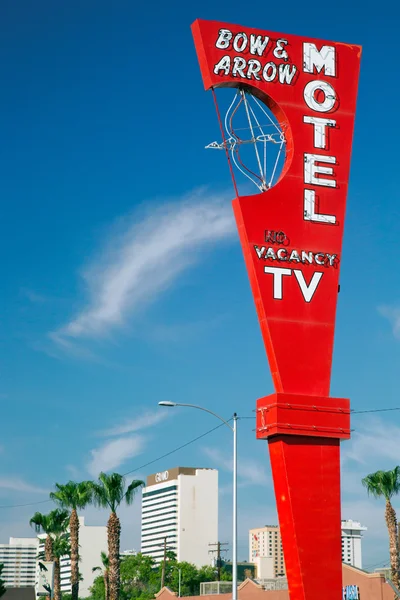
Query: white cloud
{"x":148,"y":419}
{"x":393,"y":316}
{"x":375,"y":444}
{"x":17,"y":484}
{"x":249,"y":471}
{"x":112,"y":454}
{"x":144,"y":258}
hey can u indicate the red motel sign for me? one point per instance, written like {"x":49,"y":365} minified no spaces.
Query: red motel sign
{"x":291,"y":236}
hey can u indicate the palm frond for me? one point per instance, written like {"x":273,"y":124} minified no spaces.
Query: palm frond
{"x":105,"y":560}
{"x":99,"y":495}
{"x":132,"y":489}
{"x":39,"y":522}
{"x":61,"y":546}
{"x":383,"y":483}
{"x":72,"y":495}
{"x":58,"y":521}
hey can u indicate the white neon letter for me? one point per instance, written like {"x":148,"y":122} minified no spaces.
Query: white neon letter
{"x":320,"y":134}
{"x":311,"y":169}
{"x":240,"y":42}
{"x":286,"y":73}
{"x":223,"y":65}
{"x":309,"y":290}
{"x":329,"y":96}
{"x":309,"y":210}
{"x":257,"y":44}
{"x":278,"y":274}
{"x":320,"y":59}
{"x":224,"y":39}
{"x":282,"y":254}
{"x":260,"y":251}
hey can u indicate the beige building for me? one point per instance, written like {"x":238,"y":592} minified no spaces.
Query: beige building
{"x":266,"y":552}
{"x":266,"y":543}
{"x":19,"y":560}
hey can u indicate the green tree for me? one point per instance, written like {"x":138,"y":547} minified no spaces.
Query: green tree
{"x":2,"y":582}
{"x":207,"y":573}
{"x":226,"y":575}
{"x":73,"y":496}
{"x":139,"y":578}
{"x":106,"y":563}
{"x":386,"y":484}
{"x":109,"y":492}
{"x":97,"y":591}
{"x":139,"y":567}
{"x":54,"y":525}
{"x":189,"y":578}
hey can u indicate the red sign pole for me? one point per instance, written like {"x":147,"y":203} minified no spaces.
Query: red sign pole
{"x":291,"y":237}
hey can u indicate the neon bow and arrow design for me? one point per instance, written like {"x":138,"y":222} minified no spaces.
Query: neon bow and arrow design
{"x":264,"y":135}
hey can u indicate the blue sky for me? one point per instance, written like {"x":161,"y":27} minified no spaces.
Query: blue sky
{"x":106,"y":308}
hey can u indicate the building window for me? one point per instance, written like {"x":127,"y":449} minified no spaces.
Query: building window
{"x":161,"y":491}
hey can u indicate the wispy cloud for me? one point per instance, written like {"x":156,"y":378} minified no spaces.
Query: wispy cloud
{"x":148,"y":419}
{"x":393,"y":315}
{"x":143,"y":259}
{"x":250,"y":472}
{"x":376,"y":443}
{"x":33,"y":296}
{"x":73,"y":471}
{"x":16,"y":484}
{"x":112,"y":454}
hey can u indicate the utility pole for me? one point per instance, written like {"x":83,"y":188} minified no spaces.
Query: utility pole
{"x":218,"y":551}
{"x":163,"y":565}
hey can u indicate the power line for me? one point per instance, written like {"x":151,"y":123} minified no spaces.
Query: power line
{"x":353,"y":412}
{"x":176,"y":449}
{"x":357,"y":412}
{"x":28,"y":504}
{"x":199,"y":437}
{"x":382,"y":564}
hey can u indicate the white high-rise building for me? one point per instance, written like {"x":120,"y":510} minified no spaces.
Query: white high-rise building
{"x":180,"y":508}
{"x":92,"y":541}
{"x":19,"y":560}
{"x":351,"y":542}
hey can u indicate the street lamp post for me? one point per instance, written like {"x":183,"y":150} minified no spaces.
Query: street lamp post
{"x":234,"y":524}
{"x":179,"y":580}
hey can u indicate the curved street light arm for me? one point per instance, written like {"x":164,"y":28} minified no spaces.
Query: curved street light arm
{"x":206,"y":410}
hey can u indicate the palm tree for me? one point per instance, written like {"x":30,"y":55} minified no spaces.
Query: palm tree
{"x":109,"y":492}
{"x":61,"y":547}
{"x":54,"y":526}
{"x":73,"y":496}
{"x":106,"y":563}
{"x":387,"y":484}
